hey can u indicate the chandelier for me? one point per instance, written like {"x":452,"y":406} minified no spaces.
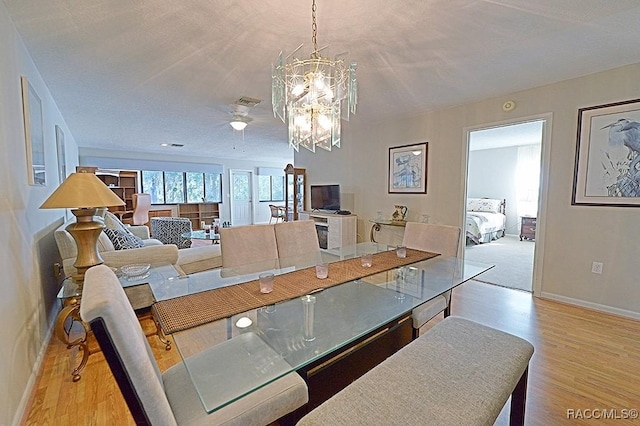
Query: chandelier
{"x":313,"y":95}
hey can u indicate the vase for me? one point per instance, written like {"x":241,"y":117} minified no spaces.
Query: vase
{"x":399,"y":214}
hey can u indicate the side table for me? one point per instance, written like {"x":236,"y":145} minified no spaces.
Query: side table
{"x":70,"y":295}
{"x":139,"y":294}
{"x":528,"y":228}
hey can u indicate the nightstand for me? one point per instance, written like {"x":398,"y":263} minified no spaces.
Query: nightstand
{"x":528,"y":228}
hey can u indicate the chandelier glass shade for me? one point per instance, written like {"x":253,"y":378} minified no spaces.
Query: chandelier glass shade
{"x":313,"y":95}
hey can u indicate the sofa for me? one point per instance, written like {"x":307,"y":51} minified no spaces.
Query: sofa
{"x":146,"y":250}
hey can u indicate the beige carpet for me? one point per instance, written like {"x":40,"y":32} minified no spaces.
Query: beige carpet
{"x":513,"y":259}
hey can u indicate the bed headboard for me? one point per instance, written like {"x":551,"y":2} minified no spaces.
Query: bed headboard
{"x":489,"y":205}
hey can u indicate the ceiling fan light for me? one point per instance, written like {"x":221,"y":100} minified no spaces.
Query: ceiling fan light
{"x":238,"y":125}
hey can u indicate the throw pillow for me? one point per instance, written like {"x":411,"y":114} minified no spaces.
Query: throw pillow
{"x":112,"y":222}
{"x":123,"y":240}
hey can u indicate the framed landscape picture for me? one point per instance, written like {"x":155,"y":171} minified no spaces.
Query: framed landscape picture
{"x":408,"y":169}
{"x":33,"y":133}
{"x":607,"y":165}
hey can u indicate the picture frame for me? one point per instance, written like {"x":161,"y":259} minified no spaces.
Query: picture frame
{"x":408,"y":169}
{"x":34,"y":134}
{"x":62,"y":164}
{"x":607,"y":162}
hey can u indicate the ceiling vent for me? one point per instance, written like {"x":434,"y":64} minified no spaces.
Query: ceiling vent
{"x":248,"y":102}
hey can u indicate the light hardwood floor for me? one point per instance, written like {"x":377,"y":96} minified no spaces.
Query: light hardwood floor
{"x":583,"y":360}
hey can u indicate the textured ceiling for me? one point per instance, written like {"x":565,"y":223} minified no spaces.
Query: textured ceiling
{"x":131,"y":74}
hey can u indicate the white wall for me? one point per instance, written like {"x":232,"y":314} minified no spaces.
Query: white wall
{"x":28,"y":303}
{"x":571,"y":236}
{"x":492,"y":174}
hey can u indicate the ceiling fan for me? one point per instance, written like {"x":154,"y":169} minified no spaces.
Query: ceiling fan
{"x":240,"y":112}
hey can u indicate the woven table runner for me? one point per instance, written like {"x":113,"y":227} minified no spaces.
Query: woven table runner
{"x":196,"y":309}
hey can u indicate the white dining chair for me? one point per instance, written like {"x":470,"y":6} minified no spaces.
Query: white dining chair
{"x":442,"y":239}
{"x":249,"y":245}
{"x":168,"y":398}
{"x":297,"y":243}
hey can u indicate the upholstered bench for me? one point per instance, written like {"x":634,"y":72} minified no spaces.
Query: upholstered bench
{"x":457,"y":373}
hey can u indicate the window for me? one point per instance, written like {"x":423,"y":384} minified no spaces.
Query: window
{"x":174,"y":187}
{"x":195,"y":187}
{"x":270,"y":188}
{"x":213,"y":187}
{"x":153,"y":183}
{"x":180,"y":187}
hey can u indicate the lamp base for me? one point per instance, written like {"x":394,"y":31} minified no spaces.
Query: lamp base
{"x":85,"y":231}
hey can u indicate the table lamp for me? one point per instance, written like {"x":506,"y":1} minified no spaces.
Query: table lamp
{"x":83,"y":193}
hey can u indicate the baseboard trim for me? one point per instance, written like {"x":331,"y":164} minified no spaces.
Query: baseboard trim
{"x":590,"y":305}
{"x":21,"y":412}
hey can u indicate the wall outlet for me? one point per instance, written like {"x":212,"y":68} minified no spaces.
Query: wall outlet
{"x":596,"y":267}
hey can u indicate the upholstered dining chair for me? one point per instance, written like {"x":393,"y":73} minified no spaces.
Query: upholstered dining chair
{"x":441,"y":239}
{"x":249,"y":246}
{"x":278,"y":213}
{"x":168,"y":398}
{"x":297,"y":243}
{"x":141,"y":207}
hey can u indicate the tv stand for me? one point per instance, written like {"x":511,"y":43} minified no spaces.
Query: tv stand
{"x":333,"y":230}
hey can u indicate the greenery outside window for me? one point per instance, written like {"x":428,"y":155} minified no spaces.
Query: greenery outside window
{"x":270,"y":188}
{"x":181,"y":187}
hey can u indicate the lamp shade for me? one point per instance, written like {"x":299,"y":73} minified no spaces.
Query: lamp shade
{"x":82,"y":190}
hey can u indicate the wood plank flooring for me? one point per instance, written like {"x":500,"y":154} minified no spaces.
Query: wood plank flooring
{"x":583,"y":360}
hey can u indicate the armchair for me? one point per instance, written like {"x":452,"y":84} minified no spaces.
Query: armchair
{"x":169,"y":230}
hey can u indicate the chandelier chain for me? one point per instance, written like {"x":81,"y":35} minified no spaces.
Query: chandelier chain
{"x":314,"y":27}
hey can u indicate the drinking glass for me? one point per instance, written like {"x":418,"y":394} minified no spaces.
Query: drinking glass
{"x":266,"y":282}
{"x":322,"y":270}
{"x":367,"y":260}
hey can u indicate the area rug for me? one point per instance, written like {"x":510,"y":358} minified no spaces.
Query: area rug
{"x":513,"y":259}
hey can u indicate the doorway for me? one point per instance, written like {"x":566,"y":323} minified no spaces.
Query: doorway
{"x":241,"y":197}
{"x":504,"y":163}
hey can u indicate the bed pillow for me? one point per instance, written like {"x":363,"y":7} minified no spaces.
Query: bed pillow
{"x":123,"y":240}
{"x":488,"y":205}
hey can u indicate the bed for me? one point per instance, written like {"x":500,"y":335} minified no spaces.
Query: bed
{"x":486,"y":219}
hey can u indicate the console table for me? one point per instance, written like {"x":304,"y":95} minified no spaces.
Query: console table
{"x":379,"y":222}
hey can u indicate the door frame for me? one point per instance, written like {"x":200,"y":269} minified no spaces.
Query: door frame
{"x":543,"y":191}
{"x":251,"y":194}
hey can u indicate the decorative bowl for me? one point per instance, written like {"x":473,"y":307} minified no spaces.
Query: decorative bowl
{"x":135,"y":270}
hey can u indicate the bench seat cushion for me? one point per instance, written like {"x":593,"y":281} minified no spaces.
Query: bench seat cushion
{"x":458,"y":373}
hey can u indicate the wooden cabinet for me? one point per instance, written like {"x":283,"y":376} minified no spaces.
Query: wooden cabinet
{"x":295,"y":191}
{"x":199,"y":212}
{"x":528,"y":228}
{"x":124,"y":184}
{"x":334,"y":230}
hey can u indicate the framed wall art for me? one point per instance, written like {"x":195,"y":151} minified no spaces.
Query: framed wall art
{"x":408,"y":169}
{"x":607,"y":164}
{"x":33,"y":133}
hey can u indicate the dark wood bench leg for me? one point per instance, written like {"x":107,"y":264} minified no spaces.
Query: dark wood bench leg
{"x":518,"y":400}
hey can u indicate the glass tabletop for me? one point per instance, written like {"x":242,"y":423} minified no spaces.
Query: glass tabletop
{"x":176,"y":286}
{"x":259,"y":346}
{"x":201,"y":235}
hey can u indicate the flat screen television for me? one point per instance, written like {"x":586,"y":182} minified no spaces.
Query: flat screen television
{"x":325,"y":197}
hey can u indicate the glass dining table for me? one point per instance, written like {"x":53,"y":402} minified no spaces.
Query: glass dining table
{"x":233,"y":356}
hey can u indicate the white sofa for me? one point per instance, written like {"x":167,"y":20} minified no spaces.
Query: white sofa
{"x":188,"y":261}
